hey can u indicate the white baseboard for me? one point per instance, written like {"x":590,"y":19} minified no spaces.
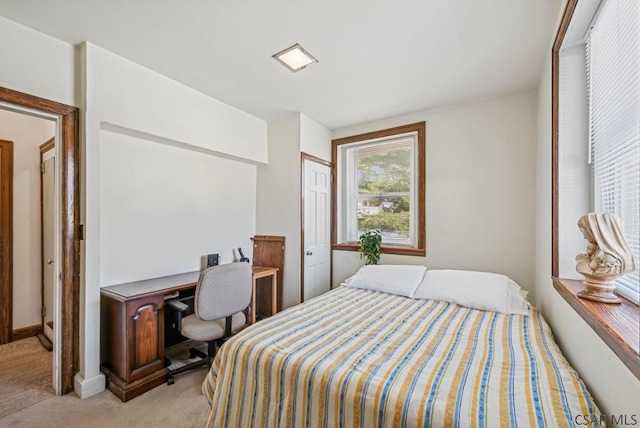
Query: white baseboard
{"x":86,"y":388}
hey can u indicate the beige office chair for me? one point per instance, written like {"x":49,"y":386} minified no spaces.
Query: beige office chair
{"x":222,"y":293}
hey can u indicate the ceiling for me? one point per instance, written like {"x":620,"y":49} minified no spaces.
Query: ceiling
{"x":377,"y":59}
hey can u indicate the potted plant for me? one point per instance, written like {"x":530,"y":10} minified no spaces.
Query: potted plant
{"x":370,"y":246}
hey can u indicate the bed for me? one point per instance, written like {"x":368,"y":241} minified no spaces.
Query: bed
{"x":363,"y":358}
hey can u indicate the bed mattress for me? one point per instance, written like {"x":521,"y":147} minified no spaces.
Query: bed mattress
{"x":361,"y":358}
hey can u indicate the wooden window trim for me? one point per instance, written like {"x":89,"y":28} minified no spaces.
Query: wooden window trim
{"x":420,"y":129}
{"x":386,"y":249}
{"x":555,"y":132}
{"x":617,"y":325}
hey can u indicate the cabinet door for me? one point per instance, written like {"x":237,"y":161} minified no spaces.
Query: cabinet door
{"x":145,"y":336}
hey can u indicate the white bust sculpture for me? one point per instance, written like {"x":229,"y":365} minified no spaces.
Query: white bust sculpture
{"x":608,"y":256}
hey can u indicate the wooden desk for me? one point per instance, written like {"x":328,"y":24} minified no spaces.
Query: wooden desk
{"x":132,"y":333}
{"x":263,"y":272}
{"x":132,"y":329}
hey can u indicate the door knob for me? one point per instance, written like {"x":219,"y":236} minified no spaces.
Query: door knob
{"x":49,"y":261}
{"x":309,"y":253}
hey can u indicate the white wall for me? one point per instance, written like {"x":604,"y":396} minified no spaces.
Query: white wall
{"x":169,"y":175}
{"x":315,"y":139}
{"x":278,"y":202}
{"x":28,"y":134}
{"x":163,"y":208}
{"x":480,"y":188}
{"x":278,"y":199}
{"x":613,"y":386}
{"x":37,"y":64}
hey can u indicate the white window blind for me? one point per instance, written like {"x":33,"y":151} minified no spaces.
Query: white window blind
{"x":613,"y":78}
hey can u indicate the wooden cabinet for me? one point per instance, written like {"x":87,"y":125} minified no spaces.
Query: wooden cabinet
{"x":133,"y":334}
{"x":133,"y":344}
{"x":268,"y":251}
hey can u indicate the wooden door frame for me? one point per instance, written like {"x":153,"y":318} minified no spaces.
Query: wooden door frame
{"x":6,"y":225}
{"x":44,"y":148}
{"x":69,"y":203}
{"x":307,"y":157}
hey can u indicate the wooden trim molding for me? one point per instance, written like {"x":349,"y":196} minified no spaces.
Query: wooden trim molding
{"x":69,"y":163}
{"x":26,"y":332}
{"x":617,"y":325}
{"x":6,"y":242}
{"x":70,"y":266}
{"x":44,"y":148}
{"x":47,"y":145}
{"x":407,"y":251}
{"x":268,"y":238}
{"x":25,"y":100}
{"x":420,"y":128}
{"x":307,"y":157}
{"x":555,"y":135}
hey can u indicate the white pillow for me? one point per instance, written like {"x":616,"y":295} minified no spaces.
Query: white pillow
{"x":393,"y":279}
{"x":477,"y":290}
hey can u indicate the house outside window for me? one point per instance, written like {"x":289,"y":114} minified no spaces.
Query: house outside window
{"x":380,"y":185}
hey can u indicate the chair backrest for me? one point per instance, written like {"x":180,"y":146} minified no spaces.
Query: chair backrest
{"x":223,"y":290}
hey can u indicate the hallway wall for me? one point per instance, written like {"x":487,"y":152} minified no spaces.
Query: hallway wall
{"x":27,"y":134}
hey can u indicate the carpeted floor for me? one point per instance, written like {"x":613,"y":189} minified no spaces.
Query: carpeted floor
{"x":179,"y":405}
{"x":27,"y":400}
{"x":26,"y":375}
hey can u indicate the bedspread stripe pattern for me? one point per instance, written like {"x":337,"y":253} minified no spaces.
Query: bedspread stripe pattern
{"x":362,"y":358}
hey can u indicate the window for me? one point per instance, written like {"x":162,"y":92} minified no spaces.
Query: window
{"x":613,"y":80}
{"x":617,"y":325}
{"x":379,"y":185}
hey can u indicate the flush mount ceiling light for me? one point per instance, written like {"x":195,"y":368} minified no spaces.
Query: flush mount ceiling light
{"x":295,"y":58}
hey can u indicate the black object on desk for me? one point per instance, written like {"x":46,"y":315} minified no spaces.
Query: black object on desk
{"x":213,"y":260}
{"x":242,"y":257}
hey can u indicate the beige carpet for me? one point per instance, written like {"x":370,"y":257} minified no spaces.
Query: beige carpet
{"x":26,"y":375}
{"x":179,"y":405}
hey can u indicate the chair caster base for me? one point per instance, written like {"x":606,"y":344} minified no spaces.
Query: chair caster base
{"x":196,"y":353}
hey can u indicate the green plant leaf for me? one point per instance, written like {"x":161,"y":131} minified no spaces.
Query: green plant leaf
{"x":370,"y":246}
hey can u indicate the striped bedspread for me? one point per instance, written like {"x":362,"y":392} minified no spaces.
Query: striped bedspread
{"x":359,"y":358}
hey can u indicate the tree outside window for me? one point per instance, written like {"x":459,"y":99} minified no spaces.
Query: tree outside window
{"x":380,"y":185}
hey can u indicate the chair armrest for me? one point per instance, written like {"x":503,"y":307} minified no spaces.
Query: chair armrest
{"x":178,"y":308}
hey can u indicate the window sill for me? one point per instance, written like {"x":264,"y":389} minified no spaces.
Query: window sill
{"x":385,"y":249}
{"x":617,"y":325}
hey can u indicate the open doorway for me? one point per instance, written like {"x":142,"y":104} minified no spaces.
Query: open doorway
{"x":22,"y":136}
{"x":27,"y":367}
{"x":67,"y":242}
